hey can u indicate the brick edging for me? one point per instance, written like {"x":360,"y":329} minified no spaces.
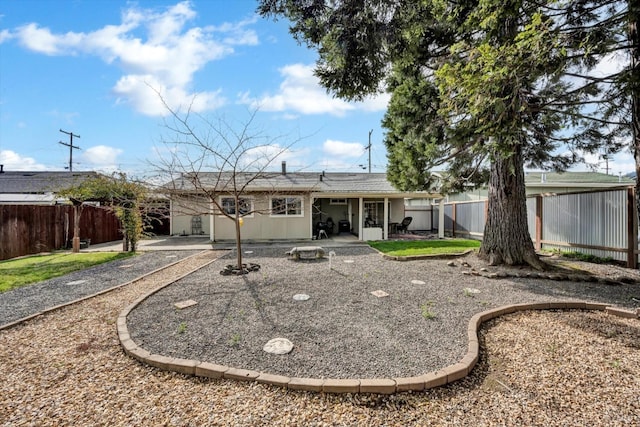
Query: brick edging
{"x":426,"y":381}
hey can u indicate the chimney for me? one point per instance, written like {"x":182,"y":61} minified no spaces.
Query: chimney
{"x":284,"y":167}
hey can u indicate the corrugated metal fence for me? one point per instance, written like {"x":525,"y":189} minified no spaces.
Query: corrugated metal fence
{"x":30,"y":229}
{"x":600,"y":223}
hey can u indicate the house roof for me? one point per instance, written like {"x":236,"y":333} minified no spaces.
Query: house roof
{"x":25,"y":182}
{"x":328,"y":184}
{"x":575,"y":179}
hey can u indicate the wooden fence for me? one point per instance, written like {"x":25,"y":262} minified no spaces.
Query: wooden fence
{"x":31,"y":229}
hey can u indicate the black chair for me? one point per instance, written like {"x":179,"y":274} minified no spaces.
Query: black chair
{"x":402,"y":227}
{"x":330,"y":225}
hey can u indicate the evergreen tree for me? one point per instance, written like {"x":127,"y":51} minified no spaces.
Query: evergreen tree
{"x":474,"y":84}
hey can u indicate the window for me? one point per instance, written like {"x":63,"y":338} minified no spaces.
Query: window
{"x":337,"y":201}
{"x":228,"y":205}
{"x":286,"y":206}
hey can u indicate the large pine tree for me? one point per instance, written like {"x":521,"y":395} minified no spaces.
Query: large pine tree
{"x":477,"y":86}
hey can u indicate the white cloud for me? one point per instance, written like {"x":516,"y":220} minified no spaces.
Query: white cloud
{"x":5,"y":35}
{"x":342,"y":149}
{"x":15,"y":161}
{"x":156,"y":47}
{"x":148,"y":95}
{"x":301,"y":92}
{"x":101,"y":157}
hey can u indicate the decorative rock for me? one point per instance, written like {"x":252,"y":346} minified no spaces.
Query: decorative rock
{"x":233,"y":269}
{"x":451,"y":263}
{"x":171,"y":256}
{"x":379,"y":293}
{"x":466,"y":264}
{"x":348,"y":261}
{"x":126,"y":266}
{"x":472,"y":290}
{"x":296,"y":252}
{"x":301,"y":297}
{"x":278,"y":346}
{"x":417,"y":282}
{"x":76,"y":282}
{"x":484,"y":269}
{"x":184,"y":304}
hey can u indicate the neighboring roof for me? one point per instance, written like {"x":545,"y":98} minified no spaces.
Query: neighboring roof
{"x":328,"y":184}
{"x":575,"y":179}
{"x":26,"y":182}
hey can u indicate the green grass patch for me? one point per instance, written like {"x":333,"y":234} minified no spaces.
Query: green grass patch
{"x":24,"y":271}
{"x":579,"y":256}
{"x":424,"y":247}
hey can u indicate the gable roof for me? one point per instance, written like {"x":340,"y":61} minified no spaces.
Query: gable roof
{"x":323,"y":184}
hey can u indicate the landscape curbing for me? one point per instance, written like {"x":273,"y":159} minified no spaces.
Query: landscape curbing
{"x":426,"y":381}
{"x":429,"y":380}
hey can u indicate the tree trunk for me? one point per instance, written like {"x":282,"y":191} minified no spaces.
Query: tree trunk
{"x":506,"y":234}
{"x":238,"y":237}
{"x":75,"y":243}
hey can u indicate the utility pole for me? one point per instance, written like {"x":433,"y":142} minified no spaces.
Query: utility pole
{"x":71,"y":147}
{"x":369,"y":148}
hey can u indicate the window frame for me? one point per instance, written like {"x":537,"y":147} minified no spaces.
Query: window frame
{"x":244,"y":198}
{"x":286,"y":213}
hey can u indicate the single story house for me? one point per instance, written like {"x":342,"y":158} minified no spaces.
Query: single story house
{"x":288,"y":205}
{"x":555,"y":183}
{"x":37,"y":187}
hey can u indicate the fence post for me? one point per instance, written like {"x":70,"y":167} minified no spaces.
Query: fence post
{"x":632,"y":230}
{"x":453,"y":219}
{"x":538,"y":242}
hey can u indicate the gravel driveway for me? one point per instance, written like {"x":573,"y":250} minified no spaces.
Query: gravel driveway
{"x":29,"y":300}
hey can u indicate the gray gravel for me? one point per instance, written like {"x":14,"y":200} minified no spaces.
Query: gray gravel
{"x":342,"y":331}
{"x":28,"y":300}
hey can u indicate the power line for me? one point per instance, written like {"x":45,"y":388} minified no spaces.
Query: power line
{"x":71,"y":147}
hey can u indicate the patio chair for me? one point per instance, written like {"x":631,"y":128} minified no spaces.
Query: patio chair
{"x":402,"y":227}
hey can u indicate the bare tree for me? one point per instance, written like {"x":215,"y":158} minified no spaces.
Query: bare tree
{"x":212,"y":166}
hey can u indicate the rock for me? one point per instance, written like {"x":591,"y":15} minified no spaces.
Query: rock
{"x":451,"y":263}
{"x":278,"y":346}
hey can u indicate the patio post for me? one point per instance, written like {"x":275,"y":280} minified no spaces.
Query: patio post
{"x":385,"y":225}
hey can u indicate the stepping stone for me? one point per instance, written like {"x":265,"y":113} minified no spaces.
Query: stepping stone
{"x":472,"y":290}
{"x":348,"y":261}
{"x":126,"y":266}
{"x":379,"y":294}
{"x":76,"y":282}
{"x":278,"y":346}
{"x":301,"y":297}
{"x":417,"y":282}
{"x":184,"y":304}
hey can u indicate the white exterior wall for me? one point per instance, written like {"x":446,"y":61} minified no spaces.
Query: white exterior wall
{"x":259,"y":226}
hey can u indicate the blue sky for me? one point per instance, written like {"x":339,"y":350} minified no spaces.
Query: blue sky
{"x":89,"y":67}
{"x":92,"y":67}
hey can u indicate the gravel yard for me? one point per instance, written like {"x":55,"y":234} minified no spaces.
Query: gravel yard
{"x":536,"y":368}
{"x":342,"y":330}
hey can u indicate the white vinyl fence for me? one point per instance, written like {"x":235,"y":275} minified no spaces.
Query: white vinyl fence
{"x":600,"y":223}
